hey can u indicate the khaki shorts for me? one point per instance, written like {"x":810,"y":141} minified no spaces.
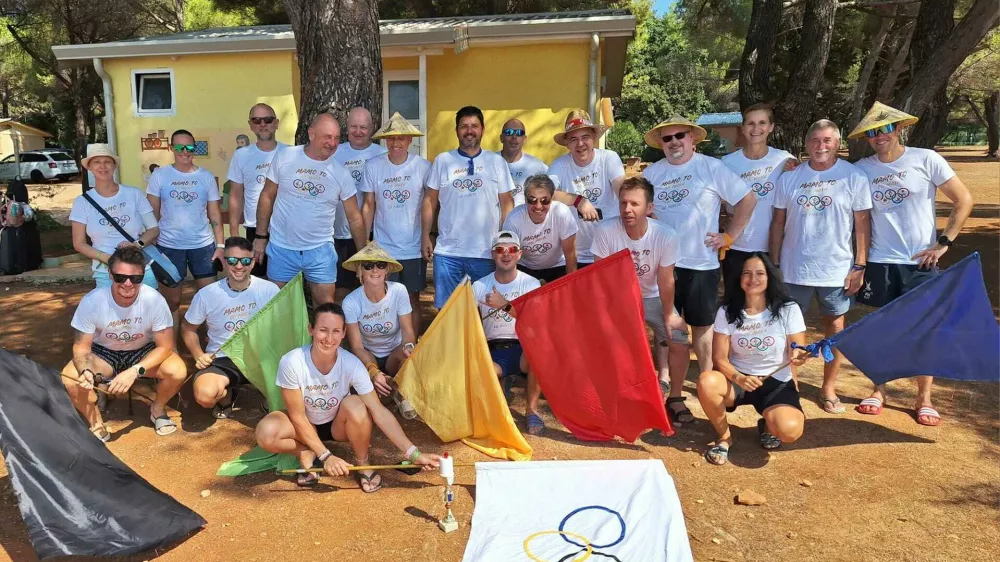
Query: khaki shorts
{"x":652,"y":309}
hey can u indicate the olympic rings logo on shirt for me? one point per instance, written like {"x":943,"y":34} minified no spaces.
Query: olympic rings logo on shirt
{"x":309,"y":187}
{"x":321,"y":403}
{"x":124,"y":337}
{"x":378,"y":328}
{"x":397,"y":195}
{"x":891,"y":195}
{"x":185,"y":196}
{"x":356,"y":174}
{"x":233,"y":326}
{"x":814,"y":202}
{"x":587,"y":547}
{"x":762,"y":189}
{"x":261,"y":178}
{"x":593,"y":194}
{"x":641,"y":270}
{"x":760,"y":344}
{"x":538,"y":248}
{"x":517,"y":189}
{"x":122,"y":220}
{"x":674,"y":195}
{"x":467,"y":184}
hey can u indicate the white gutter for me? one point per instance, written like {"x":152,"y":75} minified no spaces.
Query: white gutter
{"x":595,"y":47}
{"x":109,"y":108}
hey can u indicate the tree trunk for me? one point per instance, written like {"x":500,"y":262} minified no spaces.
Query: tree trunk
{"x":340,"y":62}
{"x":858,"y":148}
{"x":888,"y":86}
{"x":992,"y":119}
{"x":758,"y":53}
{"x":794,"y":112}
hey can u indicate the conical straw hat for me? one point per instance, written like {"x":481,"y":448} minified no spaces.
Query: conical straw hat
{"x":397,"y":126}
{"x":576,"y":120}
{"x":881,"y":114}
{"x":372,"y":252}
{"x":652,"y":136}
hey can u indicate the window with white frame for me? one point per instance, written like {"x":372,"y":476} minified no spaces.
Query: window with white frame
{"x":153,"y":92}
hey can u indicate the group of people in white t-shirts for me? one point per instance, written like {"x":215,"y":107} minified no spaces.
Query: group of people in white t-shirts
{"x":791,"y":232}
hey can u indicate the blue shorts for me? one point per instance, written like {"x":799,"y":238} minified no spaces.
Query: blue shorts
{"x":198,"y":260}
{"x":449,"y":271}
{"x":318,"y":265}
{"x":833,"y":301}
{"x":507,"y":354}
{"x":103,"y":279}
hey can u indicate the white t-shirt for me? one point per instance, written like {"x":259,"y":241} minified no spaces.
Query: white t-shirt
{"x":903,"y":196}
{"x":761,"y":176}
{"x":249,"y":167}
{"x":118,"y":328}
{"x":184,"y":198}
{"x":309,"y":192}
{"x":126,"y":207}
{"x":687,"y":198}
{"x":521,"y":170}
{"x":322,"y":393}
{"x":541,"y":244}
{"x":657,"y":248}
{"x":378,"y":321}
{"x":499,"y":325}
{"x":225,"y":310}
{"x":816,"y":250}
{"x":399,"y":193}
{"x":354,"y":160}
{"x":761,"y":344}
{"x":470,"y":203}
{"x":593,"y":181}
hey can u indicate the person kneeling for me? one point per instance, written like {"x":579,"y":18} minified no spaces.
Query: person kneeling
{"x":754,"y":330}
{"x":316,"y":381}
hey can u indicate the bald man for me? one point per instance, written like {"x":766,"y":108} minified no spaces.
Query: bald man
{"x":304,"y":187}
{"x":353,"y":155}
{"x":522,"y":166}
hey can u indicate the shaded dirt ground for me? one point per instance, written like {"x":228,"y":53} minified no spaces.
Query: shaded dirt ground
{"x":883,"y":489}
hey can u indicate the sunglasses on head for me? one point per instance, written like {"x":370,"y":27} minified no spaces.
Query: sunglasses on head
{"x":542,"y":200}
{"x":513,"y":132}
{"x":183,"y":147}
{"x":245,"y":261}
{"x":505,"y":250}
{"x":678,"y":136}
{"x":370,"y":265}
{"x":121,"y":278}
{"x":265,"y":120}
{"x":883,"y":130}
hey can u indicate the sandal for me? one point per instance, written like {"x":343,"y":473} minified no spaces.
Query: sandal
{"x":224,"y":411}
{"x":307,"y":480}
{"x":664,"y":388}
{"x":930,"y":414}
{"x":101,"y":432}
{"x":870,"y":406}
{"x":536,"y":424}
{"x":831,"y":406}
{"x":163,"y":424}
{"x":717,"y":454}
{"x":682,"y":415}
{"x":767,"y":439}
{"x":365,"y":480}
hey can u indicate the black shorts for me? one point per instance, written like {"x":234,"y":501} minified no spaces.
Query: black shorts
{"x":260,"y":268}
{"x":121,"y":359}
{"x":413,"y":276}
{"x":885,"y":282}
{"x":325,"y":431}
{"x":772,"y":393}
{"x":732,"y":265}
{"x":548,"y":275}
{"x":696,"y":295}
{"x":224,"y":366}
{"x":345,"y":249}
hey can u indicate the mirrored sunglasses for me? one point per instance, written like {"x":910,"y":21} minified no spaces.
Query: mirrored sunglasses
{"x":245,"y":261}
{"x":121,"y":278}
{"x":183,"y":147}
{"x":513,"y":132}
{"x":370,"y":265}
{"x":678,"y":136}
{"x":506,"y":250}
{"x":265,"y":120}
{"x":883,"y":130}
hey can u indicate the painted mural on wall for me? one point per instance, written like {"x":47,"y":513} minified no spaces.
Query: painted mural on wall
{"x":213,"y":151}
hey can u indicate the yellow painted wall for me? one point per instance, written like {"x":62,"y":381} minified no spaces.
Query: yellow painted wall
{"x":25,"y":141}
{"x":400,"y":63}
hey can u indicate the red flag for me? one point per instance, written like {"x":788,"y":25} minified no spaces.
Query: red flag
{"x":585,"y":340}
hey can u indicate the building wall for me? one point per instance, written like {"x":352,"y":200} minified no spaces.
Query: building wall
{"x":25,"y":141}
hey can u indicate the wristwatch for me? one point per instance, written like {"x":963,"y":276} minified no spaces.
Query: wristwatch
{"x":140,"y":369}
{"x":140,"y":243}
{"x":220,"y":246}
{"x":259,"y":236}
{"x":945,"y":241}
{"x":507,"y":307}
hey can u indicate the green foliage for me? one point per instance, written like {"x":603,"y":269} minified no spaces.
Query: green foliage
{"x":625,"y":139}
{"x":205,"y":14}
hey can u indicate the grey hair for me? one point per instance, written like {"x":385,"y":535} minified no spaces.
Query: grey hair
{"x":822,"y":125}
{"x":540,"y":180}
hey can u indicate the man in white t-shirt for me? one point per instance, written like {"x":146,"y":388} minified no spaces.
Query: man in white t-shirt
{"x":759,"y":166}
{"x":905,"y":243}
{"x":353,"y":155}
{"x":248,"y":172}
{"x":654,"y":250}
{"x":225,"y":306}
{"x":393,"y":184}
{"x":316,"y":382}
{"x":589,"y":176}
{"x":547,"y":230}
{"x":817,"y":207}
{"x":689,"y":191}
{"x":297,"y":207}
{"x":521,"y":165}
{"x":494,"y":293}
{"x":122,"y":333}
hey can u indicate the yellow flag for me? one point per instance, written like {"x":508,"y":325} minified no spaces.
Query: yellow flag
{"x":451,"y":383}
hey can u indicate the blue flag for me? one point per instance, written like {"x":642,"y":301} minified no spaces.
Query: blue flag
{"x":945,"y":328}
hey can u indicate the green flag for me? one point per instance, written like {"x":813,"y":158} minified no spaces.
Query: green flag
{"x":279,"y":327}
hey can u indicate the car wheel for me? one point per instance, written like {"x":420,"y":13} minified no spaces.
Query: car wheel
{"x":37,"y":177}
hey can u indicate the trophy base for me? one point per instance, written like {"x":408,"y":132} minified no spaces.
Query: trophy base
{"x":448,"y":525}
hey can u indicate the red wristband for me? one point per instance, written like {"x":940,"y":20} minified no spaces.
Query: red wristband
{"x":579,"y":198}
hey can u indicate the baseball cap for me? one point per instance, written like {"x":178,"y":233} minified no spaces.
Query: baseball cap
{"x":506,"y":237}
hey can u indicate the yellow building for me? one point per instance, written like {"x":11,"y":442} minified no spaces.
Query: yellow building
{"x":20,"y":137}
{"x":535,"y":67}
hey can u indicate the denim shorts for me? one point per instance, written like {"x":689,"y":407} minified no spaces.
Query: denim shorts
{"x":833,"y":301}
{"x":449,"y":271}
{"x":507,"y":354}
{"x":198,"y":260}
{"x":103,"y":279}
{"x":318,"y":265}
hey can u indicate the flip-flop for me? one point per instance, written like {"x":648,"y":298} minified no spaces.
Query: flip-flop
{"x":307,"y":480}
{"x":536,"y":424}
{"x":831,"y":406}
{"x":163,"y":424}
{"x":928,"y":412}
{"x":717,"y":454}
{"x":870,"y":406}
{"x":768,"y":441}
{"x":101,"y":432}
{"x":224,"y":411}
{"x":364,"y":480}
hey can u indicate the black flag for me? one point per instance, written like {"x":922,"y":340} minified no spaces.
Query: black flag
{"x":76,"y":497}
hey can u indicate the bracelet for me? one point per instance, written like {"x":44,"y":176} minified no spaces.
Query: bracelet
{"x":579,"y":198}
{"x":858,"y":267}
{"x":324,"y":455}
{"x":412,"y":454}
{"x":220,"y":246}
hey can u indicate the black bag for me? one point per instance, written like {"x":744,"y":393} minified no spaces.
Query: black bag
{"x":20,"y":246}
{"x":165,"y":271}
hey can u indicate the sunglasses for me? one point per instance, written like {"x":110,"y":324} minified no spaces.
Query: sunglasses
{"x":183,"y":147}
{"x":678,"y":136}
{"x":883,"y":130}
{"x":506,"y":250}
{"x":121,"y":278}
{"x":370,"y":265}
{"x":245,"y":261}
{"x":264,"y":120}
{"x":533,"y":200}
{"x":513,"y":132}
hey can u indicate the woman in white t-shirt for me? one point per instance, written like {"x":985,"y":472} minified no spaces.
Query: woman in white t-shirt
{"x":754,"y":330}
{"x":126,"y":205}
{"x":316,"y":382}
{"x":379,"y":322}
{"x":547,"y":229}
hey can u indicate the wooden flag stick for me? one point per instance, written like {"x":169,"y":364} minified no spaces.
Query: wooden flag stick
{"x":78,"y":381}
{"x":366,"y":467}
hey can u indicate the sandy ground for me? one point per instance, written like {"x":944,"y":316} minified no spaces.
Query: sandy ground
{"x":881,"y":489}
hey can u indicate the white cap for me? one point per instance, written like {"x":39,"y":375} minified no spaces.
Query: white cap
{"x":506,"y":237}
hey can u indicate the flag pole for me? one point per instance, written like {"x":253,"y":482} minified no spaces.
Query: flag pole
{"x":78,"y":381}
{"x":366,"y":467}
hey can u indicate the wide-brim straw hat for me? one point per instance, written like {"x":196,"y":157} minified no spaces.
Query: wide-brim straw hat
{"x":397,"y":126}
{"x":652,"y":136}
{"x":879,"y":115}
{"x":100,"y":149}
{"x":372,"y":252}
{"x":576,"y":120}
